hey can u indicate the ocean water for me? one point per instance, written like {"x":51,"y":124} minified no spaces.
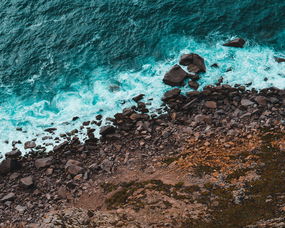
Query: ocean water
{"x":66,"y":58}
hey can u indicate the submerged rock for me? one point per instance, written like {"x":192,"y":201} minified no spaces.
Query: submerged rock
{"x":238,"y":42}
{"x":175,"y":77}
{"x":279,"y":60}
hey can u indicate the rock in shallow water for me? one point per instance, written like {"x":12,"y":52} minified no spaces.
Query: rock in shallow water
{"x":238,"y":42}
{"x":175,"y":77}
{"x":195,"y":62}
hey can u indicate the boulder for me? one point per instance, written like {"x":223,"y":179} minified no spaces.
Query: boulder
{"x":261,"y":100}
{"x":193,"y":84}
{"x":27,"y":182}
{"x":246,"y":102}
{"x":73,"y":167}
{"x":109,"y":129}
{"x":211,"y":104}
{"x":13,"y":154}
{"x":138,"y":98}
{"x":43,"y":162}
{"x":9,"y":197}
{"x":195,"y":62}
{"x":30,"y":145}
{"x":238,"y":42}
{"x":8,"y":165}
{"x":175,"y":77}
{"x":194,"y":77}
{"x":171,"y":94}
{"x":279,"y":60}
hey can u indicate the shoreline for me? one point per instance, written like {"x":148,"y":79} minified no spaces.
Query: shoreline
{"x":65,"y":174}
{"x":206,"y":141}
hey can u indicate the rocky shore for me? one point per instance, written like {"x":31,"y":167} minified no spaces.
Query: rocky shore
{"x":211,"y":158}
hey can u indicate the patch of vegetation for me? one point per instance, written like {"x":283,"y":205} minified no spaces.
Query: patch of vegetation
{"x":256,"y":207}
{"x":127,"y":190}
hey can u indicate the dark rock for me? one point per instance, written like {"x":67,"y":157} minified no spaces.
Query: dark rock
{"x":171,"y":94}
{"x":30,"y":145}
{"x":27,"y":182}
{"x":193,"y":84}
{"x":195,"y":63}
{"x":215,"y":65}
{"x":109,"y":129}
{"x":13,"y":154}
{"x":51,"y":130}
{"x":138,"y":98}
{"x":279,"y":60}
{"x":194,"y":77}
{"x":99,"y":117}
{"x":175,"y":77}
{"x":9,"y":197}
{"x":9,"y":165}
{"x":60,"y":146}
{"x":211,"y":104}
{"x":193,"y":59}
{"x":43,"y":162}
{"x":238,"y":42}
{"x":75,"y":118}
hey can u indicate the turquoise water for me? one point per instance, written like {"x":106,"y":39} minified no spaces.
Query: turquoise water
{"x":66,"y":58}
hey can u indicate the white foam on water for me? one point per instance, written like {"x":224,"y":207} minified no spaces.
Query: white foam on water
{"x":100,"y":95}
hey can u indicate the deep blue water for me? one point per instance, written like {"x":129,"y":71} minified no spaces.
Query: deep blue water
{"x":65,"y":58}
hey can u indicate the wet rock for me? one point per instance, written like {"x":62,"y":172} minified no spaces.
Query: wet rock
{"x":194,"y":77}
{"x":30,"y":145}
{"x":13,"y":154}
{"x":175,"y":77}
{"x":138,"y":98}
{"x":51,"y":129}
{"x":109,"y":129}
{"x":9,"y":165}
{"x":194,"y":62}
{"x":215,"y":65}
{"x":27,"y":182}
{"x":99,"y":117}
{"x":75,"y":118}
{"x":171,"y":94}
{"x":9,"y":197}
{"x":194,"y":85}
{"x":211,"y":104}
{"x":279,"y":60}
{"x":43,"y":162}
{"x":238,"y":42}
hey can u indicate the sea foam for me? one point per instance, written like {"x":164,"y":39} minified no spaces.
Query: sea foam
{"x":98,"y":94}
